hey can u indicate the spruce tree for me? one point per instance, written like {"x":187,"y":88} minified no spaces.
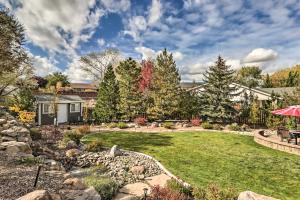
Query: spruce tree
{"x":218,"y":92}
{"x":165,"y":89}
{"x":106,"y":108}
{"x":128,"y":73}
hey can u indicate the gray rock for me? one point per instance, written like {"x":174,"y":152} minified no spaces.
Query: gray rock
{"x":7,"y":139}
{"x":71,"y":145}
{"x":249,"y":195}
{"x":13,"y":147}
{"x":154,"y":125}
{"x":9,"y":132}
{"x":115,"y":151}
{"x":3,"y":121}
{"x":74,"y":183}
{"x":36,"y":195}
{"x":87,"y":194}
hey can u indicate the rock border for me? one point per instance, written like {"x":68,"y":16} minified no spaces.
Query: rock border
{"x":276,"y":145}
{"x":162,"y":167}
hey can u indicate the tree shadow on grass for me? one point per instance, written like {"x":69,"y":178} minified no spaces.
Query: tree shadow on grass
{"x":135,"y":141}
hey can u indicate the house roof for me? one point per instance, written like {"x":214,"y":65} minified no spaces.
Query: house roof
{"x":279,"y":91}
{"x":61,"y":98}
{"x":83,"y":86}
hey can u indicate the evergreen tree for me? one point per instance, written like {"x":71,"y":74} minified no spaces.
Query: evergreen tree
{"x":106,"y":108}
{"x":218,"y":92}
{"x":165,"y":89}
{"x":268,"y":82}
{"x":254,"y":113}
{"x":249,"y":76}
{"x":128,"y":74}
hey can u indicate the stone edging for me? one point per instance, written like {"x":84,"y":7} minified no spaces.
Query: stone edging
{"x":277,"y":145}
{"x":162,"y":168}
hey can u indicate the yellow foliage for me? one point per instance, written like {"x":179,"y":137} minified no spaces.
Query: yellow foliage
{"x":15,"y":108}
{"x":26,"y":117}
{"x":276,"y":77}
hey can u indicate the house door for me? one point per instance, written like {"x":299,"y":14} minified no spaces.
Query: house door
{"x":62,"y":113}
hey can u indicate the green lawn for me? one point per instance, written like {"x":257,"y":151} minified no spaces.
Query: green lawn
{"x":227,"y":159}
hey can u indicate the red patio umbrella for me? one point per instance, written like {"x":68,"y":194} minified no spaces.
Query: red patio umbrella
{"x":289,"y":111}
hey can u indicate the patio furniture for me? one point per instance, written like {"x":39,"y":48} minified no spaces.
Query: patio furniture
{"x":284,"y":133}
{"x":296,"y":135}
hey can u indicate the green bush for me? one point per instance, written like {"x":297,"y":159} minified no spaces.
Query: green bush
{"x":169,"y":125}
{"x":234,"y":127}
{"x":35,"y":134}
{"x":105,"y":186}
{"x":112,"y":125}
{"x":207,"y":125}
{"x":122,"y":125}
{"x":217,"y":127}
{"x":214,"y":192}
{"x":94,"y":146}
{"x":273,"y":122}
{"x":176,"y":186}
{"x":73,"y":135}
{"x":29,"y":161}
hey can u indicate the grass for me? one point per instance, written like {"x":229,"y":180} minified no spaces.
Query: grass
{"x":229,"y":160}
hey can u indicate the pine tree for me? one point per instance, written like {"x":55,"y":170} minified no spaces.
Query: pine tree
{"x":267,"y":82}
{"x":165,"y":89}
{"x":106,"y":108}
{"x":218,"y":92}
{"x":128,"y":74}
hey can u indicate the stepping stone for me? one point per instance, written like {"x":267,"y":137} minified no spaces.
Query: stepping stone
{"x":122,"y":196}
{"x":136,"y":189}
{"x":160,"y":180}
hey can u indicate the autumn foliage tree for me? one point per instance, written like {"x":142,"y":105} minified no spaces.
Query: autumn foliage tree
{"x":146,"y":75}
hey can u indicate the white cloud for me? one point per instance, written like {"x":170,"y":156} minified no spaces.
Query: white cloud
{"x":136,"y":25}
{"x":146,"y":52}
{"x":58,"y":26}
{"x":260,"y":55}
{"x":178,"y":55}
{"x":76,"y":74}
{"x":101,"y":41}
{"x":116,"y":5}
{"x":42,"y":66}
{"x":154,"y":12}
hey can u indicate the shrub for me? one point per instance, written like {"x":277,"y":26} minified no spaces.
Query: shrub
{"x":234,"y":127}
{"x":112,"y":125}
{"x":105,"y":186}
{"x":273,"y":122}
{"x":85,"y":129}
{"x":196,"y":122}
{"x":245,"y":127}
{"x":217,"y":127}
{"x":29,"y":161}
{"x":94,"y":146}
{"x":122,"y":125}
{"x":141,"y":121}
{"x":72,"y":135}
{"x":35,"y":134}
{"x":168,"y":125}
{"x":207,"y":125}
{"x":213,"y":192}
{"x":161,"y":193}
{"x":174,"y":185}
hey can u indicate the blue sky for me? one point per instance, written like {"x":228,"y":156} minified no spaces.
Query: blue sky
{"x":244,"y":32}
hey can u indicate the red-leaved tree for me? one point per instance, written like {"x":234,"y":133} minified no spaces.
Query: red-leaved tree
{"x":146,"y":75}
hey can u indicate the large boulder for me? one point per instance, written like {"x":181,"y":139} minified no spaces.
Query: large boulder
{"x":249,"y":195}
{"x":74,"y":183}
{"x":36,"y":195}
{"x":115,"y":151}
{"x":13,"y":147}
{"x":138,"y":170}
{"x":72,"y":153}
{"x":87,"y":194}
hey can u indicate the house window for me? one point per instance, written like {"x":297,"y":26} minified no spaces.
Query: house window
{"x":47,"y":109}
{"x":75,"y":107}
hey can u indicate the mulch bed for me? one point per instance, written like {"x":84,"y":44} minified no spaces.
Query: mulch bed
{"x":18,"y":180}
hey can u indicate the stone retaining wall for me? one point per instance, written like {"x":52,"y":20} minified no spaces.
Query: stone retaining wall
{"x":278,"y":145}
